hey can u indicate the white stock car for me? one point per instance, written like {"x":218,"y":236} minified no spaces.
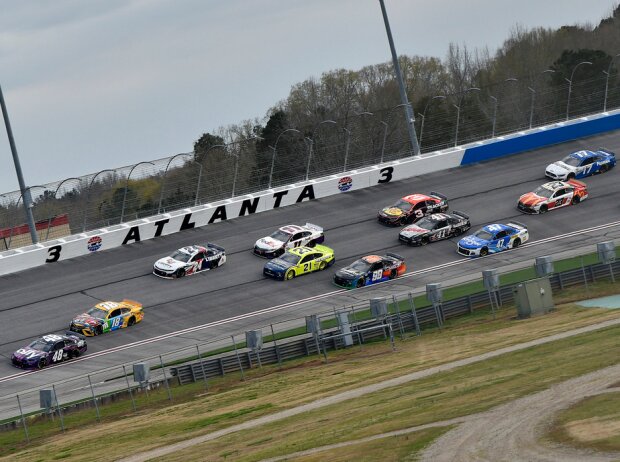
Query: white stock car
{"x":190,"y":260}
{"x":288,"y":237}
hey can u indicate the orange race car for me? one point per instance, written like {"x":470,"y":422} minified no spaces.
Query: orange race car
{"x":413,"y":207}
{"x":553,"y":195}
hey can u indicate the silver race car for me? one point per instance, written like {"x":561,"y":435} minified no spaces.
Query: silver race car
{"x":190,"y":260}
{"x":288,"y":237}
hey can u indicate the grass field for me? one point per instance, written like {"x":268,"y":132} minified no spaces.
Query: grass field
{"x":442,"y":396}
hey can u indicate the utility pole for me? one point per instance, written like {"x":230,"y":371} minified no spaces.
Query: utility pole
{"x":27,"y":200}
{"x":401,"y":85}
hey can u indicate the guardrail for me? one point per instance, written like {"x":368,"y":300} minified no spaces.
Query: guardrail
{"x":151,"y":227}
{"x":201,"y":362}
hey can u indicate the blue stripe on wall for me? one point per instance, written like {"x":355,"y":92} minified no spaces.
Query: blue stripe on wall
{"x":541,"y":139}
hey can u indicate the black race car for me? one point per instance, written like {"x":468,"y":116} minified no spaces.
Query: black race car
{"x":370,"y":270}
{"x":49,"y":349}
{"x":435,"y":227}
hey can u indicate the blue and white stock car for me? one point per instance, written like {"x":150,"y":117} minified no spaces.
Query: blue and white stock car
{"x":492,"y":239}
{"x":581,"y":164}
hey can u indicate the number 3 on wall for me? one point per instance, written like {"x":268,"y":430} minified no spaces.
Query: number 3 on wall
{"x":53,"y":253}
{"x":386,"y":174}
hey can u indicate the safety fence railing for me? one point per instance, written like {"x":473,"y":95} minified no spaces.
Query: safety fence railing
{"x":103,"y":394}
{"x":294,"y":154}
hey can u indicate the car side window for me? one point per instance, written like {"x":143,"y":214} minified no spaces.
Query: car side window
{"x":376,"y":266}
{"x":296,"y":236}
{"x":419,"y":205}
{"x":441,"y":224}
{"x":125,"y":310}
{"x":198,"y":256}
{"x":587,"y":161}
{"x":59,"y":345}
{"x":114,"y":313}
{"x":306,"y":233}
{"x":501,"y":234}
{"x":307,"y":258}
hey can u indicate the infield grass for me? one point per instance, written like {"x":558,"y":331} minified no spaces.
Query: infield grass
{"x":267,"y":390}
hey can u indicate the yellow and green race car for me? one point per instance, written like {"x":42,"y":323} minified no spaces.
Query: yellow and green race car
{"x":299,"y":260}
{"x":107,"y":316}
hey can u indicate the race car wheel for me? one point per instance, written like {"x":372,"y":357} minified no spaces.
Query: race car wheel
{"x":576,"y":200}
{"x":99,"y":330}
{"x":393,"y":274}
{"x":42,"y":363}
{"x":516,"y":243}
{"x":543,"y":209}
{"x":311,"y":244}
{"x":290,"y":274}
{"x":322,"y":266}
{"x":180,"y":273}
{"x":76,"y":353}
{"x":484,"y":252}
{"x":570,"y":176}
{"x":360,"y":283}
{"x":131,"y":321}
{"x":604,"y":168}
{"x":424,"y":241}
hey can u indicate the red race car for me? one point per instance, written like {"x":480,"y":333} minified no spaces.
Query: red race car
{"x":413,"y":207}
{"x":553,"y":195}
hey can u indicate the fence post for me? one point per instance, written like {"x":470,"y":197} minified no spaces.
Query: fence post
{"x":277,"y":349}
{"x":62,"y":421}
{"x":133,"y":403}
{"x":163,"y":369}
{"x":585,"y":278}
{"x":92,"y":392}
{"x":21,"y":413}
{"x":238,"y":359}
{"x":359,"y":337}
{"x":202,"y":367}
{"x":400,"y":321}
{"x":416,"y":324}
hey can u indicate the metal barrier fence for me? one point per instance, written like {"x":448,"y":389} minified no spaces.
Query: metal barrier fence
{"x":112,"y":196}
{"x":202,"y":362}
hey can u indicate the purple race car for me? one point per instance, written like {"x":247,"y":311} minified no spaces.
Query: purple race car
{"x":49,"y":349}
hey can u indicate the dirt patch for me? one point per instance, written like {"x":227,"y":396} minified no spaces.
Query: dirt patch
{"x":593,"y":429}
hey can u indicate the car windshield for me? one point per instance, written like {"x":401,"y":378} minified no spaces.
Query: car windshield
{"x":40,"y":345}
{"x":290,"y":258}
{"x":572,"y":161}
{"x":97,"y":313}
{"x":484,"y":235}
{"x":280,"y":235}
{"x":426,"y":223}
{"x":403,"y":205}
{"x":180,"y":256}
{"x":360,"y":265}
{"x":543,"y":192}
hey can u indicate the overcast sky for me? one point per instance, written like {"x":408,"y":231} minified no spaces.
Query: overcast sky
{"x":106,"y":83}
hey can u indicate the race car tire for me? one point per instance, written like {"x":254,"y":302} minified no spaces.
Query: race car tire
{"x":484,"y":252}
{"x":76,"y":353}
{"x":604,"y":168}
{"x":360,"y":283}
{"x":322,"y":266}
{"x":131,"y":321}
{"x":543,"y":209}
{"x":290,"y":274}
{"x":576,"y":200}
{"x":98,"y":330}
{"x":180,"y":273}
{"x":42,"y":363}
{"x":311,"y":244}
{"x":570,"y":176}
{"x":393,"y":274}
{"x":278,"y":253}
{"x":516,"y":243}
{"x":424,"y":241}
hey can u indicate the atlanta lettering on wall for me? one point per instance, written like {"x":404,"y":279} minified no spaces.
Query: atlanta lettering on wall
{"x":220,"y":213}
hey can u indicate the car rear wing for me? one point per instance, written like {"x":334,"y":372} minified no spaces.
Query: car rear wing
{"x":314,"y":227}
{"x":578,"y":184}
{"x":215,"y":246}
{"x":460,"y":214}
{"x":396,"y":256}
{"x":438,"y":195}
{"x":607,"y":151}
{"x":132,"y":303}
{"x":518,"y":225}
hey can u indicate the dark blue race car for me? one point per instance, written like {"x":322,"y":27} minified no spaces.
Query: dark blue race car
{"x":370,"y":270}
{"x":581,"y":164}
{"x":49,"y":349}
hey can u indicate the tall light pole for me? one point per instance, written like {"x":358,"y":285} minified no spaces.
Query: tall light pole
{"x":401,"y":86}
{"x":346,"y":148}
{"x":311,"y":143}
{"x":275,"y":149}
{"x":458,"y":113}
{"x":532,"y":104}
{"x":88,"y":195}
{"x":18,"y":169}
{"x":570,"y":85}
{"x":385,"y":129}
{"x":607,"y":80}
{"x":424,"y":114}
{"x":163,"y":181}
{"x":494,"y":114}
